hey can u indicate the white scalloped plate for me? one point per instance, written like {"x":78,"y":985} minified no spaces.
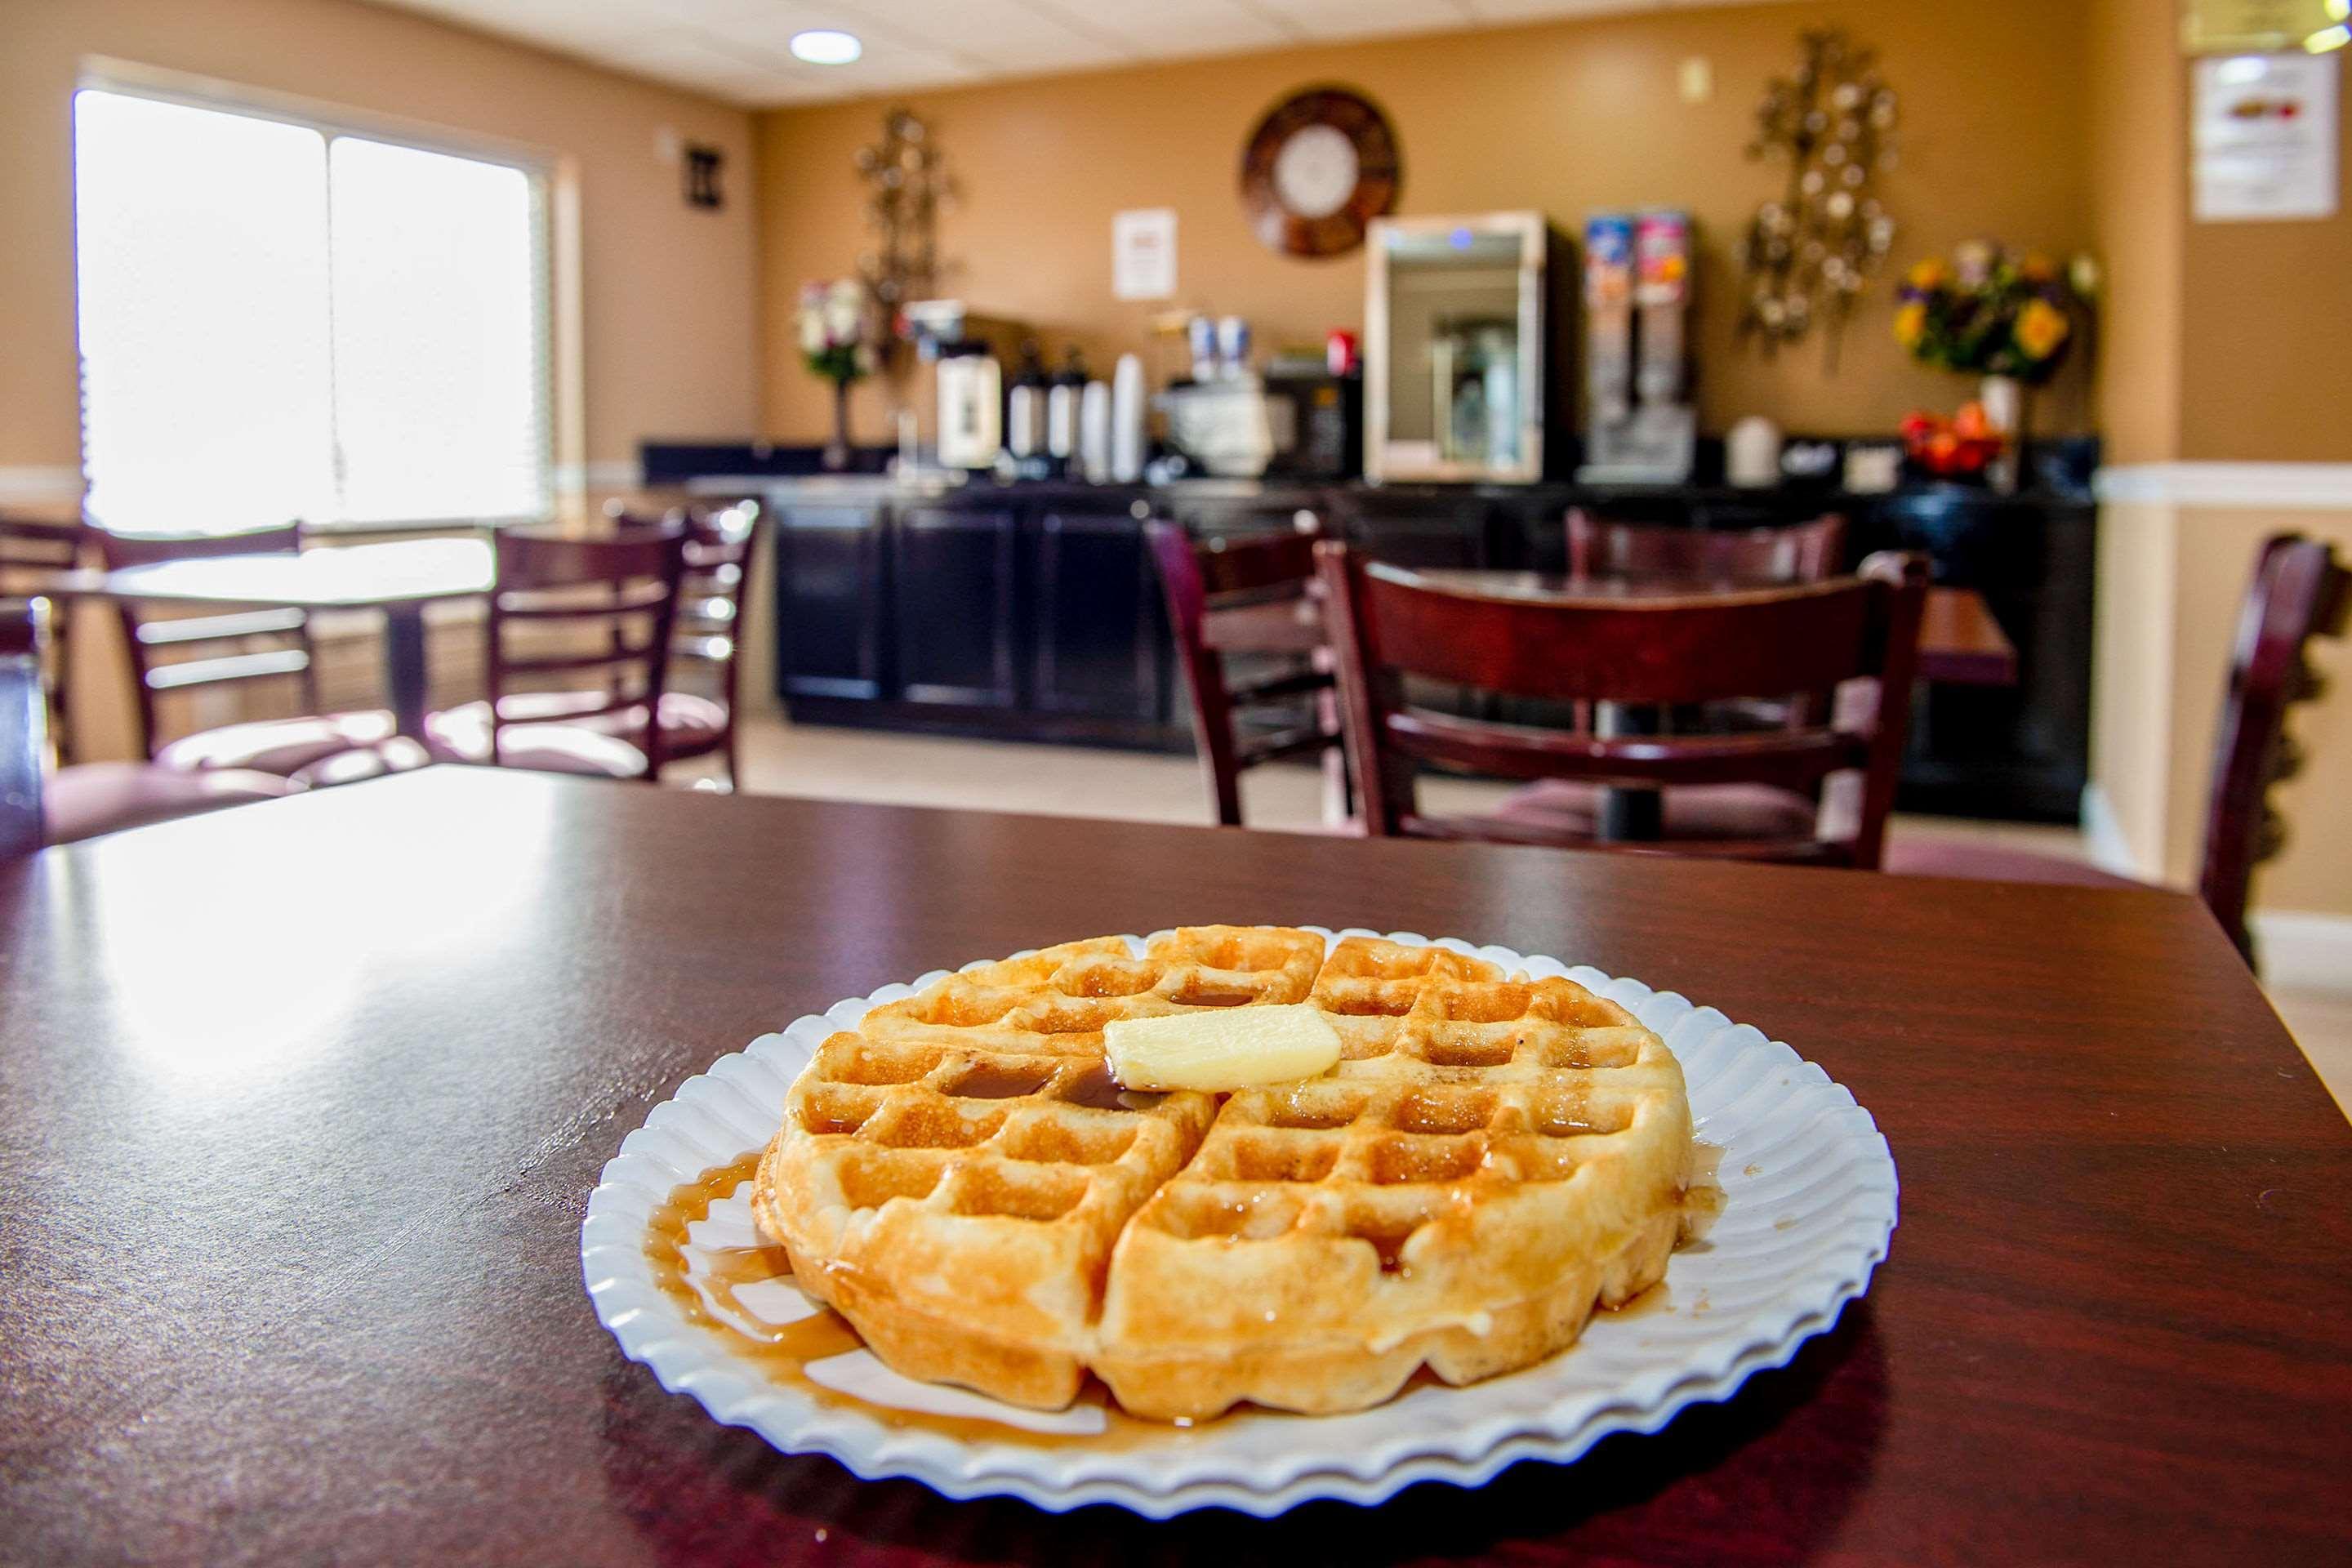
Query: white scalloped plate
{"x":1808,"y":1208}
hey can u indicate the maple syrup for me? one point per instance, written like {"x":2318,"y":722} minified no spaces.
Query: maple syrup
{"x":783,"y":1351}
{"x":1703,"y":1199}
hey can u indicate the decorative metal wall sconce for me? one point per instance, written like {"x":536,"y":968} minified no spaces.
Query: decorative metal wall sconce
{"x":908,"y":183}
{"x":1808,"y":254}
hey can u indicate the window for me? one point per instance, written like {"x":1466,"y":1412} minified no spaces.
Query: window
{"x":282,"y":320}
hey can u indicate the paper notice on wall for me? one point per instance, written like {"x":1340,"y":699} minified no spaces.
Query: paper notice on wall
{"x":1143,"y":254}
{"x":2265,"y":138}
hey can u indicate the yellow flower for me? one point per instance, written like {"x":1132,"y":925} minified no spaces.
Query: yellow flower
{"x":1910,"y":324}
{"x":1927,"y":274}
{"x":2040,"y":327}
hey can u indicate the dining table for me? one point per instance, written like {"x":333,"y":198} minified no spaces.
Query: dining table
{"x":398,"y":578}
{"x":301,"y":1105}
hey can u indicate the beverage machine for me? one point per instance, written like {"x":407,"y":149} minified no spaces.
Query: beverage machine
{"x":1641,"y":426}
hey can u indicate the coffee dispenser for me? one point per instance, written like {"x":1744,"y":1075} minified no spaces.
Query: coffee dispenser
{"x":1641,"y":427}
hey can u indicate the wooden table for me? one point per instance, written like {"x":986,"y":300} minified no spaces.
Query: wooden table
{"x":399,"y":578}
{"x":294,"y":1182}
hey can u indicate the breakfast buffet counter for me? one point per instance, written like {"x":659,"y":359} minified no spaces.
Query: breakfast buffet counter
{"x":1031,"y":610}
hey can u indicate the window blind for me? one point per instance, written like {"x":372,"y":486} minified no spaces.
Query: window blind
{"x":280,"y":321}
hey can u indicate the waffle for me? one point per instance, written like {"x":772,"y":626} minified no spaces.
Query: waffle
{"x":962,"y":1181}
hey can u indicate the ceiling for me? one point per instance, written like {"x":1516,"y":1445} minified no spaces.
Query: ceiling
{"x":736,"y":49}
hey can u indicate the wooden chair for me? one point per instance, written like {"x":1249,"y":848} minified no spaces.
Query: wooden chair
{"x":1801,"y":553}
{"x":594,"y":609}
{"x":234,"y":649}
{"x":48,"y":544}
{"x":220,"y":649}
{"x":705,"y":637}
{"x":2299,"y":592}
{"x":1755,"y":557}
{"x":1250,"y":597}
{"x":88,"y":798}
{"x":1837,"y":776}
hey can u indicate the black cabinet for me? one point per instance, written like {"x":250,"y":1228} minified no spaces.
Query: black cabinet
{"x":829,"y":591}
{"x":1100,"y":632}
{"x":1428,"y":526}
{"x":2019,"y":751}
{"x":953,"y":605}
{"x":1033,"y":611}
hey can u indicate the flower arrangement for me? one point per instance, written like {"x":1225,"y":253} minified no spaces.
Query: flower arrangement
{"x":835,"y":343}
{"x":1986,"y":314}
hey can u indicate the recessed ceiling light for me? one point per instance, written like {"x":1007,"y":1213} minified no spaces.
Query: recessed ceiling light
{"x":825,"y":46}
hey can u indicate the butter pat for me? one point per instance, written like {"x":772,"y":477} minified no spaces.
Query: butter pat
{"x":1222,"y":1048}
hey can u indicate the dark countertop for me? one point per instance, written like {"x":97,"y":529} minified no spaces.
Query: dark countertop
{"x":866,"y":488}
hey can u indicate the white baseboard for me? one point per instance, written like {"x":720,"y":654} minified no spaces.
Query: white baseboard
{"x":2104,"y":838}
{"x":2301,"y":950}
{"x":2290,"y":486}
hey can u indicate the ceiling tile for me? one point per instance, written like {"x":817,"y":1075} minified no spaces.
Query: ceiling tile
{"x":1176,"y":27}
{"x":1004,"y":36}
{"x":1537,"y":10}
{"x":740,"y":49}
{"x":1365,"y":18}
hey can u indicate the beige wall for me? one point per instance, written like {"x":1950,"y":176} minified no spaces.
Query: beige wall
{"x":2171,"y":580}
{"x":2266,"y":341}
{"x":2228,"y":343}
{"x":2216,"y":550}
{"x":667,"y":305}
{"x":2138,"y":194}
{"x":1565,"y":117}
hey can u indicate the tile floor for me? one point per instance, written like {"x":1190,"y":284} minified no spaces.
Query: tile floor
{"x":1067,"y":781}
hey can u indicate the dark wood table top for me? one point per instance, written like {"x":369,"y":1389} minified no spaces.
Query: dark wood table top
{"x":303,"y":1104}
{"x":397,"y":571}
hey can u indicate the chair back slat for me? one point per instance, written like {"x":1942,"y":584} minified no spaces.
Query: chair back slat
{"x":2299,"y":592}
{"x":1787,"y":759}
{"x":1662,"y":649}
{"x":1247,"y":565}
{"x":1388,"y":624}
{"x":227,"y":669}
{"x":22,"y":713}
{"x":1213,"y":589}
{"x":51,"y":542}
{"x":622,"y":653}
{"x":1801,"y":553}
{"x":144,"y":633}
{"x":574,"y":601}
{"x":592,"y":585}
{"x":532,"y":560}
